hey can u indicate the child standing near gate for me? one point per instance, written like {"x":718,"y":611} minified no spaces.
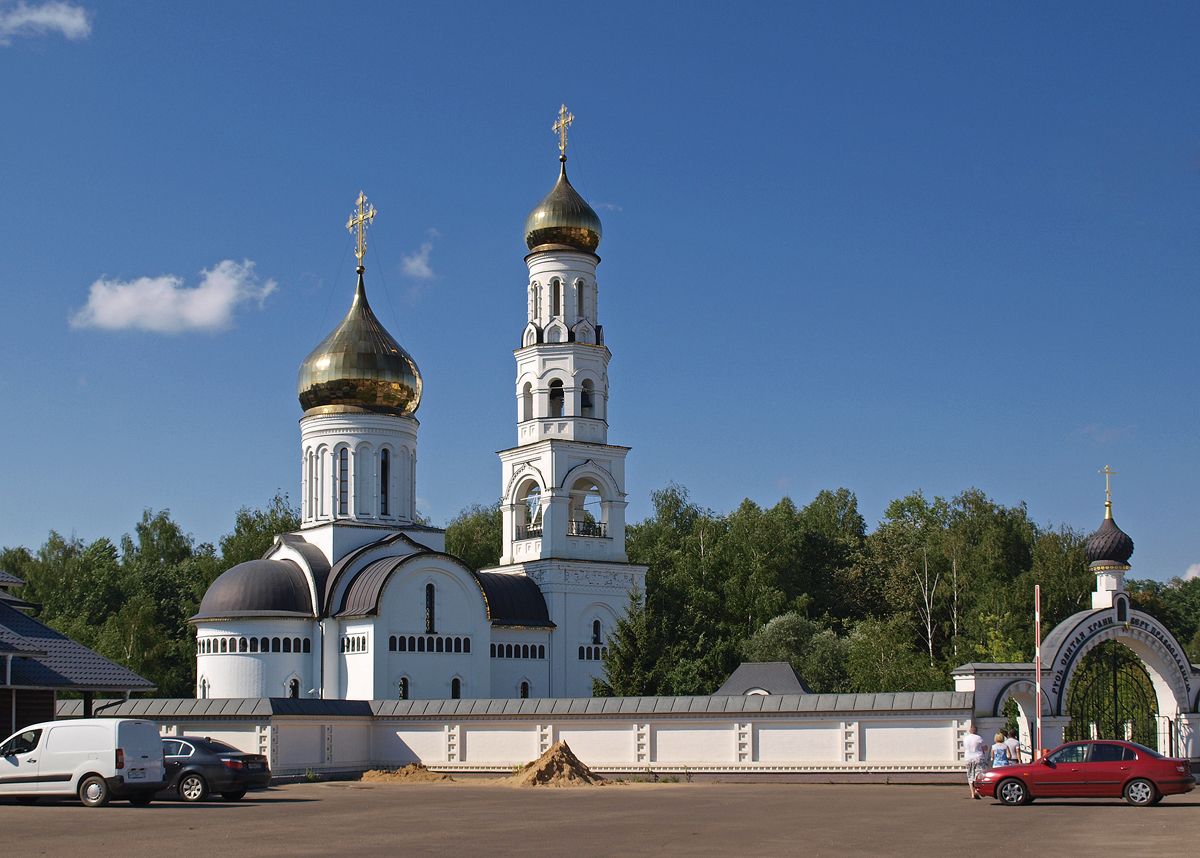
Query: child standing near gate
{"x":999,"y":751}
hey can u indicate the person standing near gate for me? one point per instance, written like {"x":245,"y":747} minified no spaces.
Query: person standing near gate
{"x":973,"y":757}
{"x":1014,"y":747}
{"x":1000,"y":757}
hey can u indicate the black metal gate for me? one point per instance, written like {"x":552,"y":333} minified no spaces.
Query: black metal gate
{"x":1112,"y":697}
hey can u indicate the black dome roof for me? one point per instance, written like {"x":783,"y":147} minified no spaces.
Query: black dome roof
{"x":1109,"y":547}
{"x":258,"y":588}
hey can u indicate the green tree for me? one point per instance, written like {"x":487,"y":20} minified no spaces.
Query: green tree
{"x":474,"y":535}
{"x":254,"y":530}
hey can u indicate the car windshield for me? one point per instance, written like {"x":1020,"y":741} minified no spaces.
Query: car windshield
{"x":1142,"y":749}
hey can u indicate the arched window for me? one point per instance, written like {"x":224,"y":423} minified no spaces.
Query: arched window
{"x":582,"y":653}
{"x":253,"y":644}
{"x":524,"y":690}
{"x":224,"y":645}
{"x":458,"y":644}
{"x":203,"y":687}
{"x":412,"y":644}
{"x":403,"y":643}
{"x":439,"y":645}
{"x":595,"y":631}
{"x":587,"y":400}
{"x":455,"y":688}
{"x":343,"y":480}
{"x":579,"y":314}
{"x":493,"y":650}
{"x":524,"y":650}
{"x":541,"y":651}
{"x":527,"y":401}
{"x":385,"y":475}
{"x":430,"y":609}
{"x":535,"y":294}
{"x":307,"y":645}
{"x":1122,"y":610}
{"x":276,"y":646}
{"x":295,"y":644}
{"x":293,"y":688}
{"x":556,"y":398}
{"x":466,"y":644}
{"x":287,"y":644}
{"x":555,"y":297}
{"x":420,"y":644}
{"x":265,"y":644}
{"x":402,"y":688}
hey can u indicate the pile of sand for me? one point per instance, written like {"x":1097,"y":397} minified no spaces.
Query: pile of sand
{"x":413,"y":773}
{"x":558,"y":767}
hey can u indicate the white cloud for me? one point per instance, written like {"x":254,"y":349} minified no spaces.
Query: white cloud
{"x":610,"y":207}
{"x":416,"y":265}
{"x":25,"y":19}
{"x":1192,"y":573}
{"x":164,"y":305}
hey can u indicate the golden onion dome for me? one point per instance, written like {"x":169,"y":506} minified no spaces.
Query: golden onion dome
{"x":563,"y":218}
{"x":359,"y":367}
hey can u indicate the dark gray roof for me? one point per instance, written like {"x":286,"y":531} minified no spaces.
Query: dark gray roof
{"x":362,"y":596}
{"x":514,"y":600}
{"x":339,"y":569}
{"x":15,"y":601}
{"x":313,"y":556}
{"x":986,"y":666}
{"x":219,"y":707}
{"x":911,"y":701}
{"x":785,"y":703}
{"x":773,"y":677}
{"x":258,"y":588}
{"x":61,"y":662}
{"x":7,"y":579}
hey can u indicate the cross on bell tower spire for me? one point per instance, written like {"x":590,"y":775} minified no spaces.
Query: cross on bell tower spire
{"x":360,"y":219}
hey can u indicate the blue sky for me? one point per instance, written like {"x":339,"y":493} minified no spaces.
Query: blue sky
{"x":882,"y":246}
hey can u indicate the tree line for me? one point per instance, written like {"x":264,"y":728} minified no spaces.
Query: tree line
{"x":937,"y":583}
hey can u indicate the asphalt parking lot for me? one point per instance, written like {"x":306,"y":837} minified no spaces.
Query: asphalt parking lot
{"x":644,"y":819}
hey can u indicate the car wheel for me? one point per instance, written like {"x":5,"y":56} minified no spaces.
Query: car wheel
{"x":236,"y":795}
{"x":94,"y":792}
{"x":141,"y":799}
{"x":192,"y":787}
{"x":1012,"y":792}
{"x":1157,"y":798}
{"x":1140,"y":793}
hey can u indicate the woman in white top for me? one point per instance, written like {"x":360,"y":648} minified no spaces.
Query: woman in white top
{"x":973,"y":757}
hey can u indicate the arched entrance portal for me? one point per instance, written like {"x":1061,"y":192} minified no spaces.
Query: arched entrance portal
{"x":1112,"y":697}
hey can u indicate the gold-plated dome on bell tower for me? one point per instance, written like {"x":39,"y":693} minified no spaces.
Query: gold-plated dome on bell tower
{"x":563,"y":218}
{"x":359,"y":366}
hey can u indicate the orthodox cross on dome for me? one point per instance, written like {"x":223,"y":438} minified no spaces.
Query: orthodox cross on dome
{"x":565,"y":118}
{"x":359,"y":220}
{"x":1108,"y":472}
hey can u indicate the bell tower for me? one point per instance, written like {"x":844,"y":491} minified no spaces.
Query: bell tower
{"x":563,"y":484}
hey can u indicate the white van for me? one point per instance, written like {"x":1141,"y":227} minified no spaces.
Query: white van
{"x":94,"y":758}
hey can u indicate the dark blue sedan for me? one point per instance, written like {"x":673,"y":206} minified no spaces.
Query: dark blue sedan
{"x":198,"y":767}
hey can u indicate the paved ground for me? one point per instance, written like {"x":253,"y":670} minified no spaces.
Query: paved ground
{"x":645,"y":819}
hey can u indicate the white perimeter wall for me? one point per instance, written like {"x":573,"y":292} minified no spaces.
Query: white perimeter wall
{"x":900,"y":741}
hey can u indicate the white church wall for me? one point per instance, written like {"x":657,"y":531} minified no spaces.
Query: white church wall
{"x":514,"y":742}
{"x":694,"y":741}
{"x":253,"y":674}
{"x":458,"y":615}
{"x":904,"y":740}
{"x":797,"y":741}
{"x":745,"y":740}
{"x":401,"y":743}
{"x":601,"y":741}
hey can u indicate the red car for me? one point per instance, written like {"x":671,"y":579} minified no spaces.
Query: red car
{"x":1105,"y":768}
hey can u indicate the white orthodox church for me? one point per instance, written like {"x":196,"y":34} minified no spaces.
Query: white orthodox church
{"x":363,"y":602}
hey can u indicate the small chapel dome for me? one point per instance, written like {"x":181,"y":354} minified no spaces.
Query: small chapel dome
{"x":563,"y":218}
{"x":257,"y":588}
{"x":1109,"y":547}
{"x":360,"y":367}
